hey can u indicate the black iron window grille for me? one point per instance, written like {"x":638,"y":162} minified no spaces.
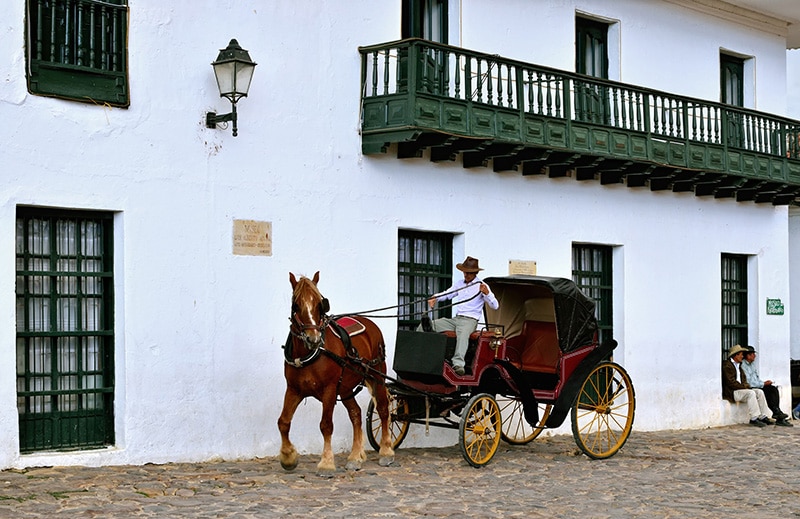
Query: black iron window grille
{"x":424,"y":267}
{"x":65,"y":339}
{"x":77,"y":49}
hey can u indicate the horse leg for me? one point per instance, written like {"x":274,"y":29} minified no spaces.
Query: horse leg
{"x":357,"y":454}
{"x":381,"y":396}
{"x":288,"y":454}
{"x":327,"y":465}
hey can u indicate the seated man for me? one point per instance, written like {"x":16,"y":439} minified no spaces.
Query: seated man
{"x":770,"y":390}
{"x":469,"y":296}
{"x":736,"y":389}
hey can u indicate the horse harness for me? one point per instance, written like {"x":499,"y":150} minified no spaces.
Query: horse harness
{"x":352,"y":360}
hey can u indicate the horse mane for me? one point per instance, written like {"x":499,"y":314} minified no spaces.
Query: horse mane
{"x":304,"y":284}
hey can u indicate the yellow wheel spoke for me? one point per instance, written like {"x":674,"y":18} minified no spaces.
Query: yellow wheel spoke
{"x":479,"y":430}
{"x":602,"y":417}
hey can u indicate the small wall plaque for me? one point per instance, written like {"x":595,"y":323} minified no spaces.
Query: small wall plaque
{"x":774,"y":307}
{"x":252,"y":238}
{"x":521,"y":267}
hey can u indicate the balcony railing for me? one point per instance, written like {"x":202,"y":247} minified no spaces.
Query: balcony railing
{"x":422,"y":94}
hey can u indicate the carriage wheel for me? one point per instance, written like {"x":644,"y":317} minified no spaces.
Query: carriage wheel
{"x":516,"y":430}
{"x":480,"y":429}
{"x":397,"y":428}
{"x":602,"y":416}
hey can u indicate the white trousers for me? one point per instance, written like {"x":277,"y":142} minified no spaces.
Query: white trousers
{"x":463,"y":326}
{"x":756,"y":403}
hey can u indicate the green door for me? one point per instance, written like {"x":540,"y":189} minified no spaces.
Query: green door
{"x":732,"y":92}
{"x":591,"y":59}
{"x":425,"y":19}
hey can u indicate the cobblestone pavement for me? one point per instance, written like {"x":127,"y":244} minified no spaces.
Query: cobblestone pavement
{"x":721,"y":472}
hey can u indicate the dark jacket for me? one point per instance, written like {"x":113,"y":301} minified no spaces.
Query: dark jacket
{"x":729,"y":383}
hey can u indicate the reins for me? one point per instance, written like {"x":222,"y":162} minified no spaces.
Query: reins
{"x":368,"y":313}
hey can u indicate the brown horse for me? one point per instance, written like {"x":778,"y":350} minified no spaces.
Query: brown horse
{"x":319,"y":364}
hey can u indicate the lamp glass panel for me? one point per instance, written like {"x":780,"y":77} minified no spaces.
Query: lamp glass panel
{"x":225,"y":73}
{"x":244,"y":74}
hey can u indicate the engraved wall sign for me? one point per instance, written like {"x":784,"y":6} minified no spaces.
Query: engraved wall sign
{"x":252,"y":238}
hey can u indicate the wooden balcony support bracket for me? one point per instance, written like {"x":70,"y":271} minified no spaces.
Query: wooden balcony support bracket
{"x":611,"y":177}
{"x":662,"y":178}
{"x":512,"y":162}
{"x":414,"y":149}
{"x":786,"y":198}
{"x":706,"y":188}
{"x":453,"y":146}
{"x":748,"y":191}
{"x":473,"y":159}
{"x":638,"y":174}
{"x":534,"y":167}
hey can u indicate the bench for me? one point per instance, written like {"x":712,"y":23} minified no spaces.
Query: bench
{"x":733,"y":413}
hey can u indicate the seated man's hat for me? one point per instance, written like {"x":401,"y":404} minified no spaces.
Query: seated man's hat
{"x":736,"y":349}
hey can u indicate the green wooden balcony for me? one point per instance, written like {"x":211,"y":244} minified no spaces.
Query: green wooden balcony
{"x":538,"y":120}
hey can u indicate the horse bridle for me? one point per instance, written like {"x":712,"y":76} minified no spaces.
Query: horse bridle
{"x":298,"y":328}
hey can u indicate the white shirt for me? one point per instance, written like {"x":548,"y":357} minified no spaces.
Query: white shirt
{"x":466,"y":303}
{"x":738,"y":373}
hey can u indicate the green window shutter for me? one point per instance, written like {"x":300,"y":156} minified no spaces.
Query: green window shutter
{"x":424,"y":267}
{"x":77,"y":49}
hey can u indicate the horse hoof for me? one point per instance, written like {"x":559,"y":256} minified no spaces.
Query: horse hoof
{"x":353,"y":465}
{"x":289,"y":466}
{"x":327,"y":473}
{"x":385,"y":461}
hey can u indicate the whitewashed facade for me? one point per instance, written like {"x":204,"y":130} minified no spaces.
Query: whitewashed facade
{"x":198,"y":330}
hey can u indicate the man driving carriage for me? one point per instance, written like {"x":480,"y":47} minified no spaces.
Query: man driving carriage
{"x":468,"y":296}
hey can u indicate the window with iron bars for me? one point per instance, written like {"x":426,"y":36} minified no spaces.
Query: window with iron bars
{"x":65,"y":339}
{"x":424,"y":267}
{"x":77,"y":49}
{"x":734,"y":302}
{"x":591,"y":271}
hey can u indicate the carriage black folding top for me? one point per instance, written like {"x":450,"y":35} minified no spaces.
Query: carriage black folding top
{"x":557,"y":300}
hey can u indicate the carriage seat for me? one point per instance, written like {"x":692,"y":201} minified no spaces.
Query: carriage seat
{"x":536,"y":348}
{"x":473,"y":337}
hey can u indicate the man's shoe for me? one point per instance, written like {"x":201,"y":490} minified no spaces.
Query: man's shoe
{"x":796,"y":414}
{"x":784,"y":422}
{"x":757,"y":423}
{"x":459,"y":370}
{"x":779,"y":415}
{"x":766,"y":421}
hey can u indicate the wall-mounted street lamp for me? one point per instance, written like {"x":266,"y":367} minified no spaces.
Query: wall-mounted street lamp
{"x":234,"y":71}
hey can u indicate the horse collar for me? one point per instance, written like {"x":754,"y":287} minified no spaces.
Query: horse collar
{"x":298,"y":362}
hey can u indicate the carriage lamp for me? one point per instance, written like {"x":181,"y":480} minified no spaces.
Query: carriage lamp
{"x":496,"y":341}
{"x":234,"y":71}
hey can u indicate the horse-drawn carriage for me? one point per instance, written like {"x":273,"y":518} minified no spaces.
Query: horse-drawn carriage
{"x":536,"y":360}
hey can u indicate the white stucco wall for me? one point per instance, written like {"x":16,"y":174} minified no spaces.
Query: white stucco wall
{"x":199,"y":330}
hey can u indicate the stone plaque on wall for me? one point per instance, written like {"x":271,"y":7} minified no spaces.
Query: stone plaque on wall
{"x":521,"y":267}
{"x":252,"y":238}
